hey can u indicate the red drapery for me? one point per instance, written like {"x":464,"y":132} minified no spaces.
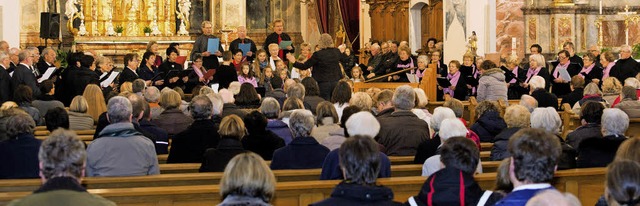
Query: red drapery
{"x":323,"y":11}
{"x":349,"y":9}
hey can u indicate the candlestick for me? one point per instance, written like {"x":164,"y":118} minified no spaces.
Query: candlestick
{"x":600,"y":7}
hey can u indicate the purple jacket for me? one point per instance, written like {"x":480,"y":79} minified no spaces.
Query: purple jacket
{"x":281,"y":129}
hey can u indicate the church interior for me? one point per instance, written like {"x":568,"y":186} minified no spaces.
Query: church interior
{"x":439,"y":35}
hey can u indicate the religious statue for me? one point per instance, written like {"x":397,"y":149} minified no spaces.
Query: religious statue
{"x":184,"y":7}
{"x":151,"y":8}
{"x":340,"y":36}
{"x":472,"y":47}
{"x":167,"y":23}
{"x":154,"y":27}
{"x":109,"y":26}
{"x":132,"y":24}
{"x":72,"y":13}
{"x":82,"y":29}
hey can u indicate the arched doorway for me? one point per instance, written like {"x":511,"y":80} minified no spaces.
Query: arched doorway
{"x":426,"y":21}
{"x":415,"y":24}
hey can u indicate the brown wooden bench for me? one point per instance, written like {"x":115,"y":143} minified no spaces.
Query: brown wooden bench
{"x":586,"y":184}
{"x":79,"y":132}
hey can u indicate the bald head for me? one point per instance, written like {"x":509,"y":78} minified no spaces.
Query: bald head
{"x":242,"y":32}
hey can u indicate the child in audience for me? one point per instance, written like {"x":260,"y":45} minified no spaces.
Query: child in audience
{"x":262,"y":60}
{"x":247,"y":75}
{"x":356,"y":74}
{"x":265,"y":78}
{"x":283,"y":73}
{"x":281,"y":65}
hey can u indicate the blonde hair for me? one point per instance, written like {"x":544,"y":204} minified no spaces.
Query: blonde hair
{"x":611,"y":85}
{"x":405,"y":49}
{"x":273,"y":46}
{"x":95,"y":101}
{"x":361,"y":100}
{"x":78,"y":104}
{"x":232,"y":126}
{"x":326,"y":109}
{"x":517,"y":116}
{"x":247,"y":174}
{"x":126,"y":87}
{"x":361,"y":78}
{"x":513,"y":59}
{"x":538,"y":58}
{"x":170,"y":99}
{"x":422,"y":98}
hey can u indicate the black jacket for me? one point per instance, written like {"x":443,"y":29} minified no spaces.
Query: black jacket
{"x":167,"y":66}
{"x":544,"y":73}
{"x":545,"y":99}
{"x":127,"y":75}
{"x":625,"y":68}
{"x":162,"y":137}
{"x":225,"y":75}
{"x":216,"y":159}
{"x":234,"y":45}
{"x":500,"y":143}
{"x":263,"y":143}
{"x":573,"y":97}
{"x":596,"y":73}
{"x":598,"y":152}
{"x":488,"y":126}
{"x":427,"y":149}
{"x":444,"y":188}
{"x":325,"y":63}
{"x":42,"y":66}
{"x":230,"y":108}
{"x":584,"y":132}
{"x":24,"y":75}
{"x":6,"y":91}
{"x":20,"y":157}
{"x":81,"y":78}
{"x":301,"y":153}
{"x":355,"y":194}
{"x":560,"y":89}
{"x":273,"y":39}
{"x":189,"y":145}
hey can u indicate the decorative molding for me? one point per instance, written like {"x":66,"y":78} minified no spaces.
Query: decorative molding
{"x":564,"y":27}
{"x":533,"y":29}
{"x":552,"y":44}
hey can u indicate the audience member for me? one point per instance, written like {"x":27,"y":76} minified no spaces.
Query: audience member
{"x":121,"y":150}
{"x":271,"y":109}
{"x":291,"y":104}
{"x":304,"y":152}
{"x":338,"y":136}
{"x":152,"y":95}
{"x":312,"y":93}
{"x":545,"y":99}
{"x":20,"y":152}
{"x":458,"y":109}
{"x":611,"y":88}
{"x":248,"y":98}
{"x":56,"y":118}
{"x":534,"y":156}
{"x":598,"y":152}
{"x":491,"y":85}
{"x":622,"y":183}
{"x":326,"y":121}
{"x":529,"y":102}
{"x":61,"y":160}
{"x":503,"y":178}
{"x":189,"y":145}
{"x":46,"y":100}
{"x":590,"y":116}
{"x":231,"y":131}
{"x":553,"y":197}
{"x":430,"y":146}
{"x":8,"y":109}
{"x":172,"y":118}
{"x":229,"y":107}
{"x":517,"y":117}
{"x":260,"y":140}
{"x":162,"y":137}
{"x":78,"y":117}
{"x":591,"y":93}
{"x":341,"y":96}
{"x":23,"y":96}
{"x":628,"y":151}
{"x":454,"y":129}
{"x":361,"y":163}
{"x":488,"y":123}
{"x":247,"y":180}
{"x":383,"y":104}
{"x":361,"y":100}
{"x":577,"y":91}
{"x":401,"y":132}
{"x":629,"y":103}
{"x":95,"y":101}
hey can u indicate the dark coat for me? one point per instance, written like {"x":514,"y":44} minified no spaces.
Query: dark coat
{"x":583,"y":132}
{"x":427,"y":149}
{"x":230,"y":108}
{"x":355,"y":194}
{"x":127,"y":75}
{"x":387,"y":62}
{"x":444,"y":188}
{"x":545,"y":99}
{"x":331,"y":166}
{"x":24,"y":75}
{"x":573,"y":97}
{"x":162,"y":137}
{"x":20,"y":157}
{"x":216,"y":159}
{"x":200,"y":46}
{"x":42,"y":66}
{"x":401,"y":132}
{"x":273,"y":39}
{"x":515,"y":91}
{"x":598,"y":152}
{"x":189,"y":145}
{"x":400,"y":65}
{"x":625,"y":68}
{"x":488,"y":126}
{"x":173,"y":120}
{"x":6,"y":91}
{"x":167,"y":66}
{"x":234,"y":45}
{"x":146,"y":73}
{"x":225,"y":75}
{"x":81,"y":78}
{"x":596,"y":73}
{"x":103,"y":122}
{"x":544,"y":73}
{"x":301,"y":153}
{"x":281,"y":129}
{"x":263,"y":143}
{"x":313,"y":102}
{"x":325,"y":63}
{"x":560,"y":89}
{"x":500,"y":143}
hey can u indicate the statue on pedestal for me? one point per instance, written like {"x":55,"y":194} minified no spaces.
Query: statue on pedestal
{"x":184,"y":7}
{"x":154,"y":27}
{"x":109,"y":27}
{"x":472,"y":47}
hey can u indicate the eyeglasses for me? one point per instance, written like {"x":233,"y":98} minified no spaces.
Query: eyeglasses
{"x":197,"y":61}
{"x":561,"y":57}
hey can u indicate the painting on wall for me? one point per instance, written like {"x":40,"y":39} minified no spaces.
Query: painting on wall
{"x":231,"y":10}
{"x":258,"y":18}
{"x":456,"y":11}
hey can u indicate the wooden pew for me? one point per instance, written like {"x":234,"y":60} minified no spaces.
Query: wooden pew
{"x":634,"y":128}
{"x":586,"y":184}
{"x":486,"y":146}
{"x":79,"y":132}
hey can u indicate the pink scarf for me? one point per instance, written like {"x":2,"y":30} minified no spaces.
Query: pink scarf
{"x":586,"y":70}
{"x":556,"y":72}
{"x":532,"y":72}
{"x":607,"y":70}
{"x":453,"y":78}
{"x":200,"y":74}
{"x":515,"y":72}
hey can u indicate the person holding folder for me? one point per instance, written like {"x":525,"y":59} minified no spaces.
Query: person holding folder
{"x":245,"y":44}
{"x":562,"y":74}
{"x":280,"y":38}
{"x":449,"y":84}
{"x":172,"y":70}
{"x":515,"y":77}
{"x":208,"y":52}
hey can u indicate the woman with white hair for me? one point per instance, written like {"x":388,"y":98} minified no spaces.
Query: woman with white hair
{"x":455,"y":128}
{"x":516,"y":117}
{"x":428,"y":148}
{"x":549,"y":120}
{"x":537,"y":91}
{"x":536,"y":68}
{"x":304,"y":152}
{"x":325,"y":63}
{"x":591,"y":93}
{"x":599,"y":152}
{"x":631,"y":82}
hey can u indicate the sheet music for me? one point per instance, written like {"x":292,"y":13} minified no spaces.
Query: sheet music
{"x":295,"y":73}
{"x":412,"y":78}
{"x":215,"y":87}
{"x":109,"y":80}
{"x":47,"y":74}
{"x":564,"y":74}
{"x":103,"y":74}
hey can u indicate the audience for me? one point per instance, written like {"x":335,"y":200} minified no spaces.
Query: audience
{"x":54,"y":119}
{"x":327,"y":121}
{"x":304,"y":152}
{"x":517,"y":117}
{"x":454,"y":129}
{"x":545,"y":99}
{"x":248,"y":97}
{"x":271,"y":109}
{"x":577,"y":91}
{"x":172,"y":118}
{"x":152,"y":95}
{"x":247,"y":180}
{"x":611,"y":88}
{"x":145,"y":124}
{"x":312,"y":93}
{"x":534,"y":156}
{"x":360,"y":162}
{"x":361,"y":100}
{"x":529,"y":102}
{"x":20,"y":152}
{"x":429,"y":147}
{"x":231,"y":131}
{"x":549,"y":120}
{"x":338,"y":136}
{"x":600,"y":151}
{"x":402,"y":131}
{"x":78,"y":117}
{"x":622,"y":183}
{"x":488,"y":123}
{"x":591,"y":93}
{"x":629,"y":103}
{"x":341,"y":96}
{"x":229,"y":107}
{"x":590,"y":116}
{"x":553,"y":197}
{"x":121,"y":150}
{"x":383,"y":104}
{"x":23,"y":97}
{"x":260,"y":140}
{"x":61,"y":161}
{"x":46,"y":100}
{"x":95,"y":101}
{"x":189,"y":145}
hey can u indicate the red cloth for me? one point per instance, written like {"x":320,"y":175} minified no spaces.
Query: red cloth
{"x":280,"y":51}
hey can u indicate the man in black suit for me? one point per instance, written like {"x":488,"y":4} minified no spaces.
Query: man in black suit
{"x":129,"y":72}
{"x":13,"y":55}
{"x":278,"y":36}
{"x":626,"y":66}
{"x":242,"y":39}
{"x":84,"y":75}
{"x":6,"y":91}
{"x":47,"y":60}
{"x":24,"y":74}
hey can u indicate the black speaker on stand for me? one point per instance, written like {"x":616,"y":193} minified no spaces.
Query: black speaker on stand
{"x":49,"y":25}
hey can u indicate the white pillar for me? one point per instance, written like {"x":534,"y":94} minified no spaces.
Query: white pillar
{"x":365,"y":24}
{"x":11,"y":18}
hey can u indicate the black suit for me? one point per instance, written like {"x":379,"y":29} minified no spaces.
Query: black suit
{"x":624,"y":68}
{"x":595,"y":73}
{"x":12,"y":67}
{"x":6,"y":91}
{"x":24,"y":75}
{"x":234,"y":45}
{"x":273,"y":39}
{"x":544,"y":73}
{"x":189,"y":145}
{"x":576,"y":59}
{"x":43,"y":66}
{"x":127,"y":76}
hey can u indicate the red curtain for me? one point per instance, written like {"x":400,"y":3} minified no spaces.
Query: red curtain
{"x":323,"y":10}
{"x":349,"y":9}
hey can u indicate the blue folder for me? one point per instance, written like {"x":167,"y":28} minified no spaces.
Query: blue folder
{"x":246,"y":47}
{"x":213,"y":44}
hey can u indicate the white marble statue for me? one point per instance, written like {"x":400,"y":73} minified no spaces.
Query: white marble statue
{"x":151,"y":8}
{"x":132,"y":17}
{"x":184,"y":7}
{"x":71,"y":8}
{"x":155,"y":31}
{"x":109,"y":25}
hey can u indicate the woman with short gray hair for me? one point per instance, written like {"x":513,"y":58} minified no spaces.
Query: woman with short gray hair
{"x":270,"y":107}
{"x":20,"y":152}
{"x":429,"y":147}
{"x":304,"y":152}
{"x":599,"y":152}
{"x":516,"y":117}
{"x":546,"y":119}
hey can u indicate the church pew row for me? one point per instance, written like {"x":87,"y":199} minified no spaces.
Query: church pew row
{"x":195,"y":178}
{"x":79,"y":132}
{"x":469,"y":113}
{"x":587,"y":184}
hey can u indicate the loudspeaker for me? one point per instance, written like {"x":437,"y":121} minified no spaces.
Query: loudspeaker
{"x":49,"y":25}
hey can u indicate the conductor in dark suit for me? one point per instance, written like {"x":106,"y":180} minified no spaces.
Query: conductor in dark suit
{"x":242,"y":39}
{"x":6,"y":92}
{"x":209,"y":60}
{"x":129,"y":72}
{"x":278,"y":36}
{"x":24,"y":74}
{"x":326,"y":65}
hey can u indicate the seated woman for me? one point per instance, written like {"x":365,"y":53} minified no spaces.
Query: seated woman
{"x":611,"y":89}
{"x":598,"y":152}
{"x":95,"y":101}
{"x":47,"y":101}
{"x":458,"y":88}
{"x":590,"y":116}
{"x":270,"y":107}
{"x":147,"y":70}
{"x":591,"y":93}
{"x":304,"y":152}
{"x":549,"y":120}
{"x":455,"y":128}
{"x":360,"y":162}
{"x":260,"y":140}
{"x":232,"y":130}
{"x":311,"y":93}
{"x":489,"y":123}
{"x":537,"y":91}
{"x":78,"y":117}
{"x":327,"y":121}
{"x":629,"y":103}
{"x":172,"y":118}
{"x":248,"y":97}
{"x":247,"y":180}
{"x":516,"y":117}
{"x":622,"y":183}
{"x":20,"y":151}
{"x":405,"y":61}
{"x":23,"y":96}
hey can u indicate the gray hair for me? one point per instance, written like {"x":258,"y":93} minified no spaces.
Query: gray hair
{"x":529,"y":102}
{"x":3,"y":56}
{"x":538,"y":58}
{"x":206,"y":90}
{"x":631,"y":81}
{"x":270,"y":107}
{"x":19,"y":123}
{"x":227,"y":96}
{"x":536,"y":82}
{"x":14,"y":51}
{"x":423,"y":58}
{"x":301,"y":122}
{"x":439,"y":115}
{"x":23,"y":55}
{"x":455,"y":128}
{"x":201,"y":107}
{"x":46,"y":51}
{"x":138,"y":85}
{"x":625,"y":48}
{"x":546,"y":119}
{"x":62,"y":154}
{"x":617,"y":122}
{"x":296,"y":90}
{"x":234,"y":87}
{"x":326,"y":41}
{"x":404,"y":98}
{"x":423,"y":100}
{"x":119,"y":109}
{"x":217,"y":104}
{"x":152,"y":94}
{"x":375,"y":46}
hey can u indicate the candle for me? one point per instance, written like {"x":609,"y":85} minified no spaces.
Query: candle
{"x":600,"y":7}
{"x":513,"y":45}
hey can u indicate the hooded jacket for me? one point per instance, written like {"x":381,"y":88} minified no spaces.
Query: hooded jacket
{"x":492,"y":86}
{"x":449,"y":186}
{"x":281,"y":129}
{"x":354,"y":194}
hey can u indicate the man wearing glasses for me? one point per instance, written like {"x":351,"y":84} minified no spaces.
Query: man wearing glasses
{"x":572,"y":53}
{"x":560,"y":84}
{"x":595,"y":50}
{"x":626,"y":66}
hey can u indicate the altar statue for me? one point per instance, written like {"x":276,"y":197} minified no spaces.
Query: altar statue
{"x":472,"y":47}
{"x":185,"y":7}
{"x":340,"y":36}
{"x":132,"y":24}
{"x":155,"y":31}
{"x":71,"y":8}
{"x":151,"y":8}
{"x":109,"y":26}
